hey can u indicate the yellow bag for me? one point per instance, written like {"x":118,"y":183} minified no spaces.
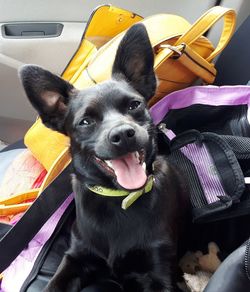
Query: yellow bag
{"x":182,"y":55}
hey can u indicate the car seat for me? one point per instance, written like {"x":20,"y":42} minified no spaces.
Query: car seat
{"x":234,"y":69}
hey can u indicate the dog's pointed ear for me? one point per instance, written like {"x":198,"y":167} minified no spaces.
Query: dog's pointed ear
{"x":135,"y":61}
{"x":48,"y":93}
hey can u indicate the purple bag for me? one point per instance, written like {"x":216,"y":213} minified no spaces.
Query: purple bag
{"x":206,"y":133}
{"x":20,"y":269}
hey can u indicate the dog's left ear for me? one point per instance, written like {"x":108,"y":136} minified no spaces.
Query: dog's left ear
{"x":135,"y":61}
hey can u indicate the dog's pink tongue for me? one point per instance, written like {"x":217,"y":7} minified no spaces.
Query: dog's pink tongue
{"x":129,"y":173}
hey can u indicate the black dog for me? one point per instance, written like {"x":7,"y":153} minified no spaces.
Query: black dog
{"x":128,"y":238}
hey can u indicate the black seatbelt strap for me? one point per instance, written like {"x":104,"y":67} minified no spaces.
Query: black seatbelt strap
{"x":19,"y":236}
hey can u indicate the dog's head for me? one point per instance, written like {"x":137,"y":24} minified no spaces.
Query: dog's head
{"x":110,"y":128}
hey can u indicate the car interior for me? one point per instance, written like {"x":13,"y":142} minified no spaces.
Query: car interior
{"x":46,"y":34}
{"x":51,"y":35}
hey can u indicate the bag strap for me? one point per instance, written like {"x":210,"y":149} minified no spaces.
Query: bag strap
{"x":197,"y":64}
{"x":205,"y":22}
{"x":19,"y":236}
{"x":203,"y":68}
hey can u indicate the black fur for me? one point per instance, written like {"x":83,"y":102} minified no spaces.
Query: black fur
{"x":135,"y":247}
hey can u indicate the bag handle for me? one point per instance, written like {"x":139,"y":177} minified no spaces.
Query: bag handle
{"x":205,"y":22}
{"x":185,"y":138}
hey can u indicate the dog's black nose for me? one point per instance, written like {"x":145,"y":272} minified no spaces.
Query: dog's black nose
{"x":122,"y":135}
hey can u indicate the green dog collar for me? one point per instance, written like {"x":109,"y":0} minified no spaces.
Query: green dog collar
{"x":131,"y":197}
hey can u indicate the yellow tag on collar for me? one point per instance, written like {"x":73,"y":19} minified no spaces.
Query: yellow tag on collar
{"x":131,"y":197}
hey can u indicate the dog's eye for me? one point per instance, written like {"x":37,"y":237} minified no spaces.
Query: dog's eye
{"x":85,"y":122}
{"x":134,"y":105}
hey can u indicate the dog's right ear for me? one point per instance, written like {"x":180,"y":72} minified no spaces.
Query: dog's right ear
{"x":48,"y":93}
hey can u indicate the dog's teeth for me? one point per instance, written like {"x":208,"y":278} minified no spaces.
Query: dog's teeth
{"x":108,"y":162}
{"x":137,"y":155}
{"x":144,"y":166}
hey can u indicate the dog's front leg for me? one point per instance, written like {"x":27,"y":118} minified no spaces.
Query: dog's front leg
{"x":75,"y":273}
{"x":66,"y":277}
{"x":146,"y":269}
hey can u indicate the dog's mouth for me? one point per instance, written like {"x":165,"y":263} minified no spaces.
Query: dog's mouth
{"x":129,"y":170}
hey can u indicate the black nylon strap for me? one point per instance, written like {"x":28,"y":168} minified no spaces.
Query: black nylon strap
{"x":18,"y":237}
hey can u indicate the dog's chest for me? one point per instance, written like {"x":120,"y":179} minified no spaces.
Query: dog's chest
{"x":105,"y":227}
